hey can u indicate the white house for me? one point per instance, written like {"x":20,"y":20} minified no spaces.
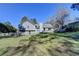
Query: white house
{"x":47,"y":28}
{"x":30,"y":28}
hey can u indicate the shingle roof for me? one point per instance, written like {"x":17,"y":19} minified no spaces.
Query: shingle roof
{"x":47,"y":25}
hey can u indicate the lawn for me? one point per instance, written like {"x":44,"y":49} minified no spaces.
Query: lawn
{"x":12,"y":41}
{"x":43,"y":44}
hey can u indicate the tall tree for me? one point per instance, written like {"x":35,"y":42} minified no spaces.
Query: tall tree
{"x":3,"y":28}
{"x":34,"y":21}
{"x":6,"y":28}
{"x":58,"y":20}
{"x":24,"y":19}
{"x":21,"y":28}
{"x":10,"y":27}
{"x":7,"y":23}
{"x":61,"y":15}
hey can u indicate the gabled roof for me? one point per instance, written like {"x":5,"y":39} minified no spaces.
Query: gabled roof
{"x":30,"y":22}
{"x":36,"y":25}
{"x":47,"y":25}
{"x":73,"y":23}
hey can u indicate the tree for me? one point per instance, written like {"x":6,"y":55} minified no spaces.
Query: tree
{"x":58,"y":20}
{"x":24,"y":19}
{"x":75,"y":6}
{"x":10,"y":27}
{"x":3,"y":28}
{"x":21,"y":28}
{"x":7,"y":23}
{"x":61,"y":15}
{"x":33,"y":21}
{"x":6,"y":28}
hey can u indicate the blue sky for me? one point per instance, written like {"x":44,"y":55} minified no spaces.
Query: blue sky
{"x":14,"y":12}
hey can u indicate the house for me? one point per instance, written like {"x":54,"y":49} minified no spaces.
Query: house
{"x":47,"y":28}
{"x":30,"y":28}
{"x":74,"y":26}
{"x":70,"y":27}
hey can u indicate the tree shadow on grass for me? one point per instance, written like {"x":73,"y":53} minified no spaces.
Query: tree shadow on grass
{"x":64,"y":49}
{"x":74,"y":36}
{"x":4,"y":52}
{"x":14,"y":50}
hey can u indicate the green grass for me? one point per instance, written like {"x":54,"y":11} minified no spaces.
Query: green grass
{"x":43,"y":44}
{"x":5,"y":42}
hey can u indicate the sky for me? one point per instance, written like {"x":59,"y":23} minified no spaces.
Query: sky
{"x":13,"y":12}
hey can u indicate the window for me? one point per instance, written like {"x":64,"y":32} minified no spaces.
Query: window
{"x":44,"y":29}
{"x":49,"y":28}
{"x":27,"y":26}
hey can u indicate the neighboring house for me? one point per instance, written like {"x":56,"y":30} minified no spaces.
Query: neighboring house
{"x":30,"y":28}
{"x":47,"y":28}
{"x":74,"y":26}
{"x":70,"y":27}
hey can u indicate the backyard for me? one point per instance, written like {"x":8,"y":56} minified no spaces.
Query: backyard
{"x":43,"y":44}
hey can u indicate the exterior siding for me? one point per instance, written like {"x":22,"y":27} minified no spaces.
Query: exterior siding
{"x":29,"y":26}
{"x":30,"y":29}
{"x":74,"y":26}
